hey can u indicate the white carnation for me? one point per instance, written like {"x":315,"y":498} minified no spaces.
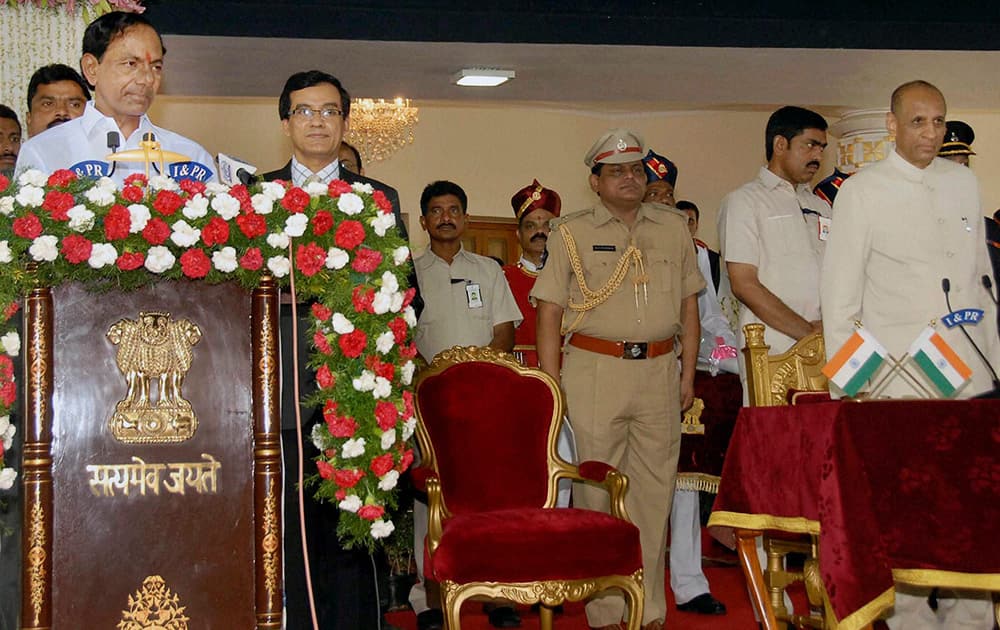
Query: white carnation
{"x":409,"y":427}
{"x":225,"y":260}
{"x":273,"y":190}
{"x":32,"y":177}
{"x":278,"y":240}
{"x":354,"y":447}
{"x":81,"y":219}
{"x":385,"y":342}
{"x":383,"y":388}
{"x":196,"y":207}
{"x":295,"y":225}
{"x":365,"y":382}
{"x":5,"y":255}
{"x":226,"y":205}
{"x":8,"y":436}
{"x":349,"y":203}
{"x":30,"y":196}
{"x":381,"y":529}
{"x":388,"y":439}
{"x":317,"y":437}
{"x":406,"y":372}
{"x":159,"y":259}
{"x":102,"y":255}
{"x":336,"y":258}
{"x":315,"y":189}
{"x":382,"y":302}
{"x":6,"y":205}
{"x":389,"y":281}
{"x":11,"y":343}
{"x":5,"y":422}
{"x":350,"y":503}
{"x":262,"y":204}
{"x":44,"y":248}
{"x":410,"y":316}
{"x":107,"y":184}
{"x":279,"y":266}
{"x":8,"y":475}
{"x":383,"y":222}
{"x":184,"y":235}
{"x":341,"y":325}
{"x":162,"y":182}
{"x":397,"y":301}
{"x":389,"y":481}
{"x":100,"y":196}
{"x":140,"y":217}
{"x":216,"y":188}
{"x":361,"y":187}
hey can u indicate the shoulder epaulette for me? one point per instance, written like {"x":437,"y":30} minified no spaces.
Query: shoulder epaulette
{"x":568,"y":217}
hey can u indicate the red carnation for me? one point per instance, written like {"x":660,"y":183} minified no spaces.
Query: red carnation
{"x":76,"y":248}
{"x":371,"y":512}
{"x":325,"y":469}
{"x":386,"y":415}
{"x":4,"y":182}
{"x":156,"y":231}
{"x":338,"y":187}
{"x":252,"y":224}
{"x":136,"y":179}
{"x":8,"y":393}
{"x":366,"y":260}
{"x":252,"y":260}
{"x":399,"y":328}
{"x":408,"y":404}
{"x":353,"y":343}
{"x":310,"y":259}
{"x":215,"y":232}
{"x":295,"y":200}
{"x":322,"y":222}
{"x":133,"y":194}
{"x":60,"y":179}
{"x":192,"y":186}
{"x":195,"y":263}
{"x":6,"y":367}
{"x":408,"y":296}
{"x":385,"y":370}
{"x":363,"y":299}
{"x":347,"y":478}
{"x":27,"y":226}
{"x":349,"y":234}
{"x":324,"y":377}
{"x":117,"y":223}
{"x":341,"y":426}
{"x":167,"y":202}
{"x":130,"y":260}
{"x":11,"y":309}
{"x":58,"y":204}
{"x":340,"y":494}
{"x":321,"y":312}
{"x":405,"y":460}
{"x":321,"y":343}
{"x":241,"y":194}
{"x":382,"y":464}
{"x":408,"y":352}
{"x":382,"y":201}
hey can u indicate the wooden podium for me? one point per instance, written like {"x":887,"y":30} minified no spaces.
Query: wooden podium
{"x":152,"y":475}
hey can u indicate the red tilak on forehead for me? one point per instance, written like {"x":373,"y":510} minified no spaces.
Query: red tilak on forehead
{"x":149,"y":59}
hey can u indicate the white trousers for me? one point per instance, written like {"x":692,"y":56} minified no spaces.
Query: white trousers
{"x":687,"y":580}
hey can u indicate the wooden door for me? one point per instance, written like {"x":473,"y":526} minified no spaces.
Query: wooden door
{"x":493,"y":237}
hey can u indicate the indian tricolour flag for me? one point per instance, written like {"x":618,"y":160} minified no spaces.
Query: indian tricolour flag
{"x":939,"y":362}
{"x":855,"y":362}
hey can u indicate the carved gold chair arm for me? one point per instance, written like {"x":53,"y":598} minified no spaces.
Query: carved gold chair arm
{"x":613,"y":480}
{"x":437,"y":513}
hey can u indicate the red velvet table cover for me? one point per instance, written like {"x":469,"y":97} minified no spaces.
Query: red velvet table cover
{"x":904,"y":489}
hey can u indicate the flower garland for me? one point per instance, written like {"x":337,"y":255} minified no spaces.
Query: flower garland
{"x":91,"y":8}
{"x":346,"y":254}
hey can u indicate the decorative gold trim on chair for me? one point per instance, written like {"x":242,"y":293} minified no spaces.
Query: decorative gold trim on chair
{"x":770,"y":377}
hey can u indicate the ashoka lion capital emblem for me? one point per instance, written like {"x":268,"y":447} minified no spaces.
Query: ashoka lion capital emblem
{"x":154,"y":354}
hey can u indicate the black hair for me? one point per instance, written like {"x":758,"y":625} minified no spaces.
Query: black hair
{"x":54,"y":73}
{"x":309,"y":78}
{"x":109,"y":27}
{"x":788,"y":122}
{"x":688,"y":205}
{"x":354,"y":150}
{"x":439,"y":189}
{"x":6,"y":112}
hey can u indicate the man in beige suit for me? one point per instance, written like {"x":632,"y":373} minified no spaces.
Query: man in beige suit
{"x":903,"y":225}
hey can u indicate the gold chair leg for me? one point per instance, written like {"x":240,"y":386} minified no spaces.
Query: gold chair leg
{"x":746,"y":547}
{"x":545,"y":617}
{"x":633,"y":591}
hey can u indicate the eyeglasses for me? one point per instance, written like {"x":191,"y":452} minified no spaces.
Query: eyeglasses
{"x":308,"y":113}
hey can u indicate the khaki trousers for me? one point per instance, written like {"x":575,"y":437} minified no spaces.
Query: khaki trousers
{"x":627,"y":413}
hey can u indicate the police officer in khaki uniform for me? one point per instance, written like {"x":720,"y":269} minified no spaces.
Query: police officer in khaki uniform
{"x":621,"y":281}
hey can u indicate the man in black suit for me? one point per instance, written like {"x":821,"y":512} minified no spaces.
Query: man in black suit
{"x":314,"y":109}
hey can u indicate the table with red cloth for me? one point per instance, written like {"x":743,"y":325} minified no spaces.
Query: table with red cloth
{"x":906,"y":490}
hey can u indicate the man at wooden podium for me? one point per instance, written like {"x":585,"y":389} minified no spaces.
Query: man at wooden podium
{"x":314,"y":109}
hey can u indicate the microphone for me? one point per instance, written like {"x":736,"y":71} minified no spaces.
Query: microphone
{"x":988,"y":285}
{"x":995,"y":392}
{"x":246,"y":178}
{"x":114,"y":141}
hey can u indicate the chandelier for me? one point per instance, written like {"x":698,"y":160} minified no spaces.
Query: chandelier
{"x":379,"y":128}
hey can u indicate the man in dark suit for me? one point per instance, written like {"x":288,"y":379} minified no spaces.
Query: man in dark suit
{"x":314,"y":109}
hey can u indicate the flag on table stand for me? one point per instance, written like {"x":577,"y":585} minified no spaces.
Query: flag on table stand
{"x":939,"y":362}
{"x":855,"y":362}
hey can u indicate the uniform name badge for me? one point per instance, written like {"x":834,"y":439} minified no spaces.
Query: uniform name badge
{"x":823,"y":227}
{"x":474,"y":295}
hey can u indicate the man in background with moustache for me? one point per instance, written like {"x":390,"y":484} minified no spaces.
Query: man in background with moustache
{"x":56,"y":94}
{"x":10,"y":140}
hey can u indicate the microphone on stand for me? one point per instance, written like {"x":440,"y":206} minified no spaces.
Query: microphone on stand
{"x":988,"y":285}
{"x":246,"y":177}
{"x":995,"y":392}
{"x":114,"y":141}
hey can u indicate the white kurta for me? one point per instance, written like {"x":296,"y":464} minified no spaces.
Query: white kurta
{"x":900,"y":230}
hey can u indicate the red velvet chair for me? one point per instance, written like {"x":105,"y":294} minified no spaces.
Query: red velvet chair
{"x":487,"y":428}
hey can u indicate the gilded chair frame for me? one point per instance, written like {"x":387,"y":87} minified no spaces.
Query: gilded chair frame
{"x":771,"y":377}
{"x":547,"y":593}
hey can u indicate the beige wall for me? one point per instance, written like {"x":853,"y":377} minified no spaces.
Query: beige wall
{"x":492,"y":151}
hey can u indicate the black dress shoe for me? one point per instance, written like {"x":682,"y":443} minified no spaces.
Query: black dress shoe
{"x":432,"y":619}
{"x":704,"y":604}
{"x":504,"y":617}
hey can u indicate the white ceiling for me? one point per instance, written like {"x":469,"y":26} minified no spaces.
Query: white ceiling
{"x":588,"y":77}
